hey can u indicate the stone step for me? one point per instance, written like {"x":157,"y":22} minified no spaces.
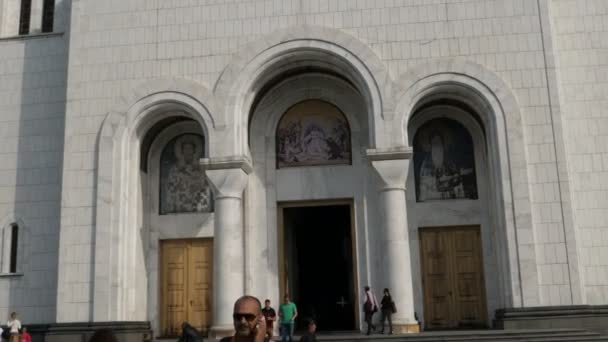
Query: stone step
{"x":541,"y":335}
{"x":461,"y":335}
{"x":537,"y":336}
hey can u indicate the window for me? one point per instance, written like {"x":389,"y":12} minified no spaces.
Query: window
{"x":14,"y":244}
{"x":48,"y":11}
{"x":24,"y":17}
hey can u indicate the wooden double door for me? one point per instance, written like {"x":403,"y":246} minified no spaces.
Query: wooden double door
{"x":186,"y":285}
{"x":452,"y":278}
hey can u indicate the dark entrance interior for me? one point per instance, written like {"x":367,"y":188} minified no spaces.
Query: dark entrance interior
{"x":319,"y":265}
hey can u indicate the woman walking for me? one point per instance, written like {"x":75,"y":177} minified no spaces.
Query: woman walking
{"x":388,"y":309}
{"x":370,"y":306}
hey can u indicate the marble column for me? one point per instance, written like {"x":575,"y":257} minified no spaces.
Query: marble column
{"x":391,"y":165}
{"x":228,"y":178}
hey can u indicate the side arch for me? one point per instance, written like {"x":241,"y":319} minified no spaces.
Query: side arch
{"x":116,"y":216}
{"x":500,"y":116}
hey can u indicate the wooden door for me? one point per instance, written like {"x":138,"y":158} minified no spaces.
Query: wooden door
{"x":452,"y":277}
{"x":186,"y":271}
{"x":199,"y":284}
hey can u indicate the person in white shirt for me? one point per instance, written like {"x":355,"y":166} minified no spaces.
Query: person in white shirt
{"x":14,"y":326}
{"x":370,"y":306}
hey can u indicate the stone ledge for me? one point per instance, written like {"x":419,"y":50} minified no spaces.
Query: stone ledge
{"x":588,"y":317}
{"x":11,"y":275}
{"x":31,"y":36}
{"x":81,"y":331}
{"x":551,"y":311}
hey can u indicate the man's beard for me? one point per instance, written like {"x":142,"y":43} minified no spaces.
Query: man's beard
{"x":243,"y":329}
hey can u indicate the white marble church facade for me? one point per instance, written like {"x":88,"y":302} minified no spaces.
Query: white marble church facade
{"x":135,"y":123}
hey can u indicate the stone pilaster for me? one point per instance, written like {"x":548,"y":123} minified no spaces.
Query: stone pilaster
{"x":391,"y":165}
{"x":228,"y":178}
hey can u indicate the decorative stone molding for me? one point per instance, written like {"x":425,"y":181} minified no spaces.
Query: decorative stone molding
{"x":227,"y":183}
{"x":391,"y":165}
{"x":391,"y":153}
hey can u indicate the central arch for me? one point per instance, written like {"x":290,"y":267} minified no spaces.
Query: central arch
{"x":299,"y":50}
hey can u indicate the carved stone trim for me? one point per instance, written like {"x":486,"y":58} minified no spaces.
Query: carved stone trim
{"x":391,"y":153}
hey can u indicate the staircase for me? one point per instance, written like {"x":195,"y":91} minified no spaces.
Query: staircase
{"x":537,"y":335}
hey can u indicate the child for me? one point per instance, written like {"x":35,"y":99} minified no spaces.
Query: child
{"x":25,"y":337}
{"x":14,"y":326}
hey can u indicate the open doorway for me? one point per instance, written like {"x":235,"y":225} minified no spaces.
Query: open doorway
{"x":318,"y":263}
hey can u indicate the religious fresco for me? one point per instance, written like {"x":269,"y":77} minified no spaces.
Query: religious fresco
{"x":444,"y":162}
{"x":183,"y":185}
{"x":313,"y":133}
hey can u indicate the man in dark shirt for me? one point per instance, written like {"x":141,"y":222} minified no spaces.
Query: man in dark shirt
{"x":270,"y":315}
{"x":309,"y":335}
{"x":249,"y":323}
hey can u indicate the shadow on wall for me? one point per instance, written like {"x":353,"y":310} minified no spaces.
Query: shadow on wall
{"x":39,"y":168}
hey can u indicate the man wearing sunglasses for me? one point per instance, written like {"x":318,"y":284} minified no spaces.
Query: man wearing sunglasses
{"x":249,"y":323}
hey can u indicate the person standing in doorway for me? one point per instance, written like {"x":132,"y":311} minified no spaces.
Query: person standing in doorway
{"x":387,"y":307}
{"x":288,"y":312}
{"x":370,"y":306}
{"x":270,"y":315}
{"x":14,"y":325}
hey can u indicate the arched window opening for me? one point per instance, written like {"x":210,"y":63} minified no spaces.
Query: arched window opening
{"x":313,"y":132}
{"x":183,"y":185}
{"x":25,"y":16}
{"x":444,"y":161}
{"x":14,"y":231}
{"x":48,"y":14}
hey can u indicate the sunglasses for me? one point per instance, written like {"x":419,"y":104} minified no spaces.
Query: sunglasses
{"x":247,"y":316}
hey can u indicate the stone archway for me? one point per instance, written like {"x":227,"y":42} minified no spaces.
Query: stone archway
{"x":493,"y":101}
{"x":116,"y":293}
{"x":265,"y":59}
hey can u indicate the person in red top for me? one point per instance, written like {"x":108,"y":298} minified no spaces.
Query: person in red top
{"x":25,"y":337}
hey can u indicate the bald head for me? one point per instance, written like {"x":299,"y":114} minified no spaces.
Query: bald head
{"x":247,"y":310}
{"x":250,"y":302}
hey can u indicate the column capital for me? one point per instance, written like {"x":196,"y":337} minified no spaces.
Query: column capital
{"x":389,"y":153}
{"x":391,"y":165}
{"x":228,"y":162}
{"x":228,"y":176}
